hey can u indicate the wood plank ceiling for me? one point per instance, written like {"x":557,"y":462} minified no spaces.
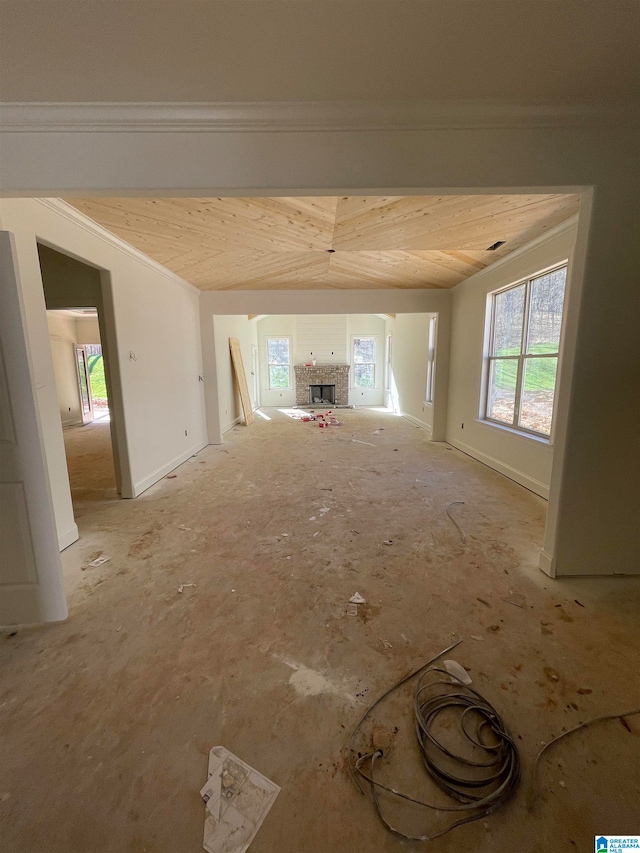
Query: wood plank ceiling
{"x":328,"y":242}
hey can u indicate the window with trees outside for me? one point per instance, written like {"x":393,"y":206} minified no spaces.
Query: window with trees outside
{"x":279,"y":361}
{"x":364,"y":362}
{"x":526,"y":320}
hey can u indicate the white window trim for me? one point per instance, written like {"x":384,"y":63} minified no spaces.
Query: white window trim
{"x":375,"y":364}
{"x":432,"y":341}
{"x":388,"y":360}
{"x":277,"y":338}
{"x":515,"y":427}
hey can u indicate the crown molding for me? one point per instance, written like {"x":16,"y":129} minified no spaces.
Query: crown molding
{"x":68,"y":212}
{"x":308,"y":116}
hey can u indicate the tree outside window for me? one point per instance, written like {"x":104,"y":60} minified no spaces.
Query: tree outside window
{"x":526,"y":321}
{"x":279,"y":360}
{"x":364,"y":362}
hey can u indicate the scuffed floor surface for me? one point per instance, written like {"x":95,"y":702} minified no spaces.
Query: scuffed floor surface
{"x":107,"y":719}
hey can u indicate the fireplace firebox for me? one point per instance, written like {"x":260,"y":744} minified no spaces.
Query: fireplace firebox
{"x":322,"y":394}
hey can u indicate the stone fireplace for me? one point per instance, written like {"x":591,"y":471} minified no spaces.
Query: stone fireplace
{"x":318,"y":381}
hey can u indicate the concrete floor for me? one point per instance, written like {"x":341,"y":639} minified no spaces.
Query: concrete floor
{"x":107,"y":719}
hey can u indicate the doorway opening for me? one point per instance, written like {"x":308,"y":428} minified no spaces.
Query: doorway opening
{"x":83,"y":401}
{"x":86,"y":377}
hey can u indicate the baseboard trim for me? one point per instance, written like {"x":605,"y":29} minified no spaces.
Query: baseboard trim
{"x":237,"y":421}
{"x":547,"y":564}
{"x":530,"y":483}
{"x":68,"y":537}
{"x":417,"y":422}
{"x":142,"y":485}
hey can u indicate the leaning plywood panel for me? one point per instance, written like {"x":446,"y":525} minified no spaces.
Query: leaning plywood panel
{"x":241,"y":378}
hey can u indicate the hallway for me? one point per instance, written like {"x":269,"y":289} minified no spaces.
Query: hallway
{"x":90,"y":464}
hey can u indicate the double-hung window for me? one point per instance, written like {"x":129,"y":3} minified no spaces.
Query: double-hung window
{"x":364,"y":362}
{"x":279,"y":361}
{"x":526,"y":321}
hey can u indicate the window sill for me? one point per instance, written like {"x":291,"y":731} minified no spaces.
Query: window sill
{"x":541,"y":439}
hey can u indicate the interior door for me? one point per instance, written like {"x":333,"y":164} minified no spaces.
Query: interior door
{"x":254,"y":376}
{"x":84,"y":386}
{"x":30,"y":572}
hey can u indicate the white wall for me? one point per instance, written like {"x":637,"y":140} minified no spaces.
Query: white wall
{"x":65,"y":332}
{"x":366,"y":325}
{"x":327,"y":338}
{"x":154,"y":317}
{"x":273,"y":326}
{"x":408,"y":375}
{"x":228,"y":397}
{"x":63,"y":338}
{"x":525,"y":459}
{"x":87,"y":330}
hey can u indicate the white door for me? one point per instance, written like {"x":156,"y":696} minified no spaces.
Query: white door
{"x":255,"y":387}
{"x":30,"y":571}
{"x":84,"y":385}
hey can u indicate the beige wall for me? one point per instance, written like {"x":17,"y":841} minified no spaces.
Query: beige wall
{"x":527,"y":460}
{"x":65,"y":332}
{"x":154,"y":343}
{"x":408,"y":377}
{"x":228,"y":398}
{"x":63,"y":338}
{"x":328,"y":338}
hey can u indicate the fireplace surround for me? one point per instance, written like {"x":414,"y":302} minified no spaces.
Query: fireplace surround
{"x":322,"y":375}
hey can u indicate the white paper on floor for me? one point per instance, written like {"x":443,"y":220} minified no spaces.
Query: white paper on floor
{"x":237,"y":800}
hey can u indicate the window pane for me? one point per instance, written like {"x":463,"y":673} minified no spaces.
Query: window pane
{"x":545,"y":312}
{"x":278,"y":376}
{"x":538,"y":389}
{"x":278,"y":350}
{"x":508,"y":313}
{"x":502,"y":390}
{"x":364,"y":350}
{"x":364,"y":375}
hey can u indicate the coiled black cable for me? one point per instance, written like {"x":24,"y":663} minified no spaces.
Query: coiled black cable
{"x":479,"y":785}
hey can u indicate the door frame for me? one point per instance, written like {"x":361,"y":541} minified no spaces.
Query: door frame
{"x":255,"y":373}
{"x":86,"y":415}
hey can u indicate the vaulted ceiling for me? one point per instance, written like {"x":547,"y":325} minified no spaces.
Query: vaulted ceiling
{"x":335,"y":242}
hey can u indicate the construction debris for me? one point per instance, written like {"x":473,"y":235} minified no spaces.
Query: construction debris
{"x":99,"y":561}
{"x":457,"y":672}
{"x":184,"y":585}
{"x":515,"y":598}
{"x":237,"y":799}
{"x":356,"y":598}
{"x":462,"y":533}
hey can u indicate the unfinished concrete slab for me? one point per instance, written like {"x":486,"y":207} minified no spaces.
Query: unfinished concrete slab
{"x":108,"y":718}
